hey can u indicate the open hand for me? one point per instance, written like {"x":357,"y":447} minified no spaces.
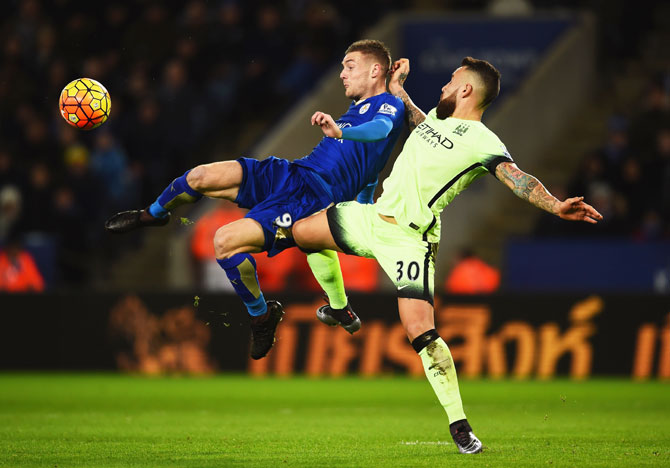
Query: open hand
{"x":575,"y":209}
{"x":327,"y":124}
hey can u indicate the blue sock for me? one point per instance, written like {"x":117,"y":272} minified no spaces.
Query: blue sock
{"x":176,"y":194}
{"x":241,"y":271}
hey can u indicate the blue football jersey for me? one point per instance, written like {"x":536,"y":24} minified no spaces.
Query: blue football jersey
{"x":347,"y":166}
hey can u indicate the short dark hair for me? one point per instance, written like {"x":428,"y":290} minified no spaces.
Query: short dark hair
{"x":490,"y":78}
{"x":376,"y":49}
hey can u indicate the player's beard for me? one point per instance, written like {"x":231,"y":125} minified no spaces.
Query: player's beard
{"x":446,"y":107}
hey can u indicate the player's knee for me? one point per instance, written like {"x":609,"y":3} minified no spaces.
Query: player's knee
{"x":222,"y":242}
{"x":415,"y":328}
{"x":196,"y":178}
{"x":299,"y":233}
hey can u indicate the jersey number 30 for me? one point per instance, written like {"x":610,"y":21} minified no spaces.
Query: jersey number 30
{"x":412,"y":273}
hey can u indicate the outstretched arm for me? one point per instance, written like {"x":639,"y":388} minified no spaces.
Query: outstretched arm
{"x":399,"y":71}
{"x":528,"y":188}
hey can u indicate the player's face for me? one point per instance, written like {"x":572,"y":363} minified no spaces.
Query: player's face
{"x":355,"y":75}
{"x":447,"y":104}
{"x":457,"y":79}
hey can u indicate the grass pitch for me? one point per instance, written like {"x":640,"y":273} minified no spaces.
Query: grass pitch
{"x":57,"y":420}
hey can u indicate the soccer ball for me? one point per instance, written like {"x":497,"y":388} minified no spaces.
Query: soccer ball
{"x":84,"y":103}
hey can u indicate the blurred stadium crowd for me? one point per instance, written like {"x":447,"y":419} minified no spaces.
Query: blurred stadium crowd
{"x":628,"y":178}
{"x":182,"y":74}
{"x":179,"y":74}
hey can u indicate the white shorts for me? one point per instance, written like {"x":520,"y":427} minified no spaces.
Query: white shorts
{"x":406,"y":256}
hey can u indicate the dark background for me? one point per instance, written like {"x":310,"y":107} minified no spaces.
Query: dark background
{"x":62,"y":331}
{"x":200,"y":80}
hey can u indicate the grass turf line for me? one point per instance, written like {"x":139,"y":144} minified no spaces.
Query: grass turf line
{"x":84,"y":420}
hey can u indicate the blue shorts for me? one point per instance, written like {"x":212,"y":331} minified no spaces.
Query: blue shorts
{"x":277,"y":194}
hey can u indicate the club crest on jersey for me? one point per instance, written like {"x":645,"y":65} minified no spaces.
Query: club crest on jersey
{"x":387,"y":109}
{"x":364,"y":108}
{"x":461,"y":129}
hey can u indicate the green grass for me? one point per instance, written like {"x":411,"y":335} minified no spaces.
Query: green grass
{"x":57,"y":420}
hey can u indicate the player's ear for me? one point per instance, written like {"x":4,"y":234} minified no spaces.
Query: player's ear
{"x":467,"y":90}
{"x":376,"y":70}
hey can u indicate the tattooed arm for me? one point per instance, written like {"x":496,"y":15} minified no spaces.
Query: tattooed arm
{"x":399,"y":72}
{"x":528,"y":188}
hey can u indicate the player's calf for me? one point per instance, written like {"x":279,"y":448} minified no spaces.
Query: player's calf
{"x":158,"y":213}
{"x":438,"y":365}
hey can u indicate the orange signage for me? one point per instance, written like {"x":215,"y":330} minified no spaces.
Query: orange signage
{"x":176,"y":341}
{"x":381,"y":347}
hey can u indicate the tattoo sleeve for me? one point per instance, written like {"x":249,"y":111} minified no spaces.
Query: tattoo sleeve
{"x":526,"y":187}
{"x":414,"y":115}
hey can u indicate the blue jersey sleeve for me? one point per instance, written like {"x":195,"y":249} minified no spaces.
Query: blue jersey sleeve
{"x":365,"y":197}
{"x":377,"y":129}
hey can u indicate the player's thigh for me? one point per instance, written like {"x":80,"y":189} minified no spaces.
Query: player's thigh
{"x":243,"y":235}
{"x":217,"y":180}
{"x":407,"y":259}
{"x":351,"y":225}
{"x":313,"y":233}
{"x":271,"y":178}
